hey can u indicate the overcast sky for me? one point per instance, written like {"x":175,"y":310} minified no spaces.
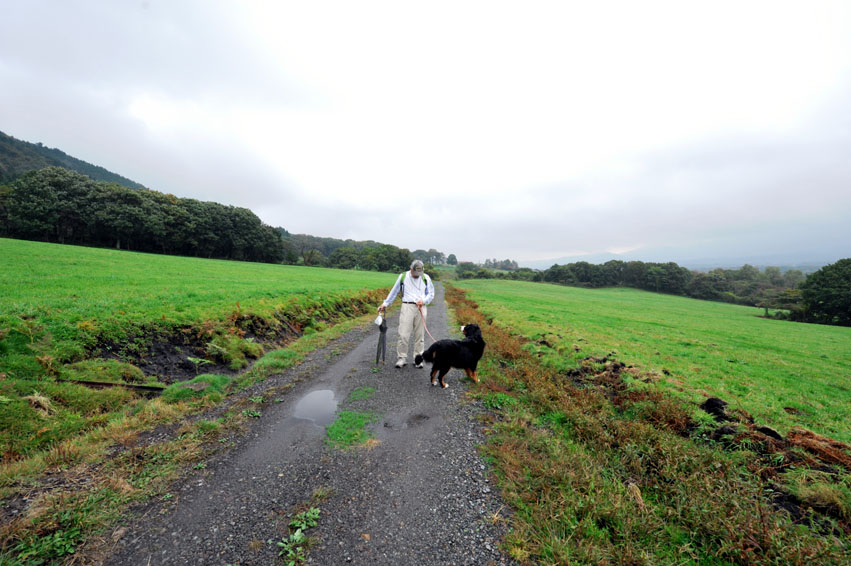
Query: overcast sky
{"x":524,"y":130}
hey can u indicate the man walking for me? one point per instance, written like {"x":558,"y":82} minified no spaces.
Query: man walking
{"x":417,"y":293}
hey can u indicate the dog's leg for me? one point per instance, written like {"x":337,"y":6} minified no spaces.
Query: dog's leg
{"x":471,"y":373}
{"x":441,"y":376}
{"x":433,"y":375}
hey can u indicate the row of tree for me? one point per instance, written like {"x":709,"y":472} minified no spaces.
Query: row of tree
{"x":352,"y":254}
{"x":747,"y":285}
{"x":58,"y":205}
{"x":824,"y":296}
{"x":383,"y":257}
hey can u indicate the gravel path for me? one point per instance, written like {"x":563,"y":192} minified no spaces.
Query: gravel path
{"x":420,"y":495}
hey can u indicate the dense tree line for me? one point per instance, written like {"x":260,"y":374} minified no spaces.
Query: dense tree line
{"x":823,"y":297}
{"x":383,"y":257}
{"x":57,"y":205}
{"x":746,"y":285}
{"x":346,"y":254}
{"x":62,"y":206}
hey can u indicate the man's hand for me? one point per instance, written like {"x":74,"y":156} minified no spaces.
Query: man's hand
{"x":380,"y":309}
{"x":419,"y":304}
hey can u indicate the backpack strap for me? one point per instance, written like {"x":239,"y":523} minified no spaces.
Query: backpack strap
{"x":402,"y":284}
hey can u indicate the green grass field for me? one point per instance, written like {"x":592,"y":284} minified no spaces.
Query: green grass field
{"x":603,"y":464}
{"x":782,"y":373}
{"x":69,"y":287}
{"x":60,"y":306}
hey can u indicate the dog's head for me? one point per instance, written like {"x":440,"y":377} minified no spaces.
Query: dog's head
{"x":471,"y":330}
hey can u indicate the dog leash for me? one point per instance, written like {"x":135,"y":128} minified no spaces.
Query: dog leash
{"x":422,"y":316}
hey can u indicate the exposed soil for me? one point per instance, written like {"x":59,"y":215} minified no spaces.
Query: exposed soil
{"x":773,"y":455}
{"x":165,"y":354}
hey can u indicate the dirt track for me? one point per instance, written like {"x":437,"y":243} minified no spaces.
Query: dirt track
{"x":420,"y":495}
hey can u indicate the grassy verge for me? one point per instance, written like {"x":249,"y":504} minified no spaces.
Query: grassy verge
{"x":96,"y":476}
{"x":783,"y":373}
{"x":72,"y":457}
{"x":70,"y":313}
{"x":603,"y":466}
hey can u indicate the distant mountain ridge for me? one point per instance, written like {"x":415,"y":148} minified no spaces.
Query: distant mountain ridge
{"x":18,"y":157}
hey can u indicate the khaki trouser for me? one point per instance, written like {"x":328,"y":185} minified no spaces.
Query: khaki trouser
{"x":410,"y":319}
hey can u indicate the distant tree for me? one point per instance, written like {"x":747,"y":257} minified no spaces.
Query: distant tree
{"x":586,"y":274}
{"x":788,"y":300}
{"x":201,"y":235}
{"x":33,"y":207}
{"x":562,"y":274}
{"x":707,"y":286}
{"x":452,"y":260}
{"x":435,"y":257}
{"x":773,"y":275}
{"x":745,"y":273}
{"x":676,"y":278}
{"x":793,"y":278}
{"x":614,"y":272}
{"x":343,"y":258}
{"x":466,"y":269}
{"x":653,"y":278}
{"x":433,"y":273}
{"x":633,"y":274}
{"x":5,"y":191}
{"x":312,"y":256}
{"x":826,"y":294}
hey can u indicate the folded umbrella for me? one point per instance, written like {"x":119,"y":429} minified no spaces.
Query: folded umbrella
{"x":382,"y":341}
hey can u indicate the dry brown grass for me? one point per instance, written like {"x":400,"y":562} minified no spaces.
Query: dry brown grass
{"x":825,"y":448}
{"x":40,"y":403}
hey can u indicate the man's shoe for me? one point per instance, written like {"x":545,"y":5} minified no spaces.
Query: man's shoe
{"x":400,"y":363}
{"x":419,"y":365}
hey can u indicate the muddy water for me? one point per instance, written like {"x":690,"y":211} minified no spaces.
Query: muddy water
{"x":317,"y":406}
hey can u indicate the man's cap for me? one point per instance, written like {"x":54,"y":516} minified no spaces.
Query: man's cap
{"x":417,"y":266}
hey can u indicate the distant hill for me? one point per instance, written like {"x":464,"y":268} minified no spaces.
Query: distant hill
{"x":17,"y":157}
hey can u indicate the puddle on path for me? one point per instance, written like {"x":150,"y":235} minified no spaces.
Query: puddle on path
{"x":318,"y":406}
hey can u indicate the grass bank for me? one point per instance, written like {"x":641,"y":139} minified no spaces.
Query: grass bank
{"x":603,"y":465}
{"x":784,"y":374}
{"x":69,"y":313}
{"x":74,"y":457}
